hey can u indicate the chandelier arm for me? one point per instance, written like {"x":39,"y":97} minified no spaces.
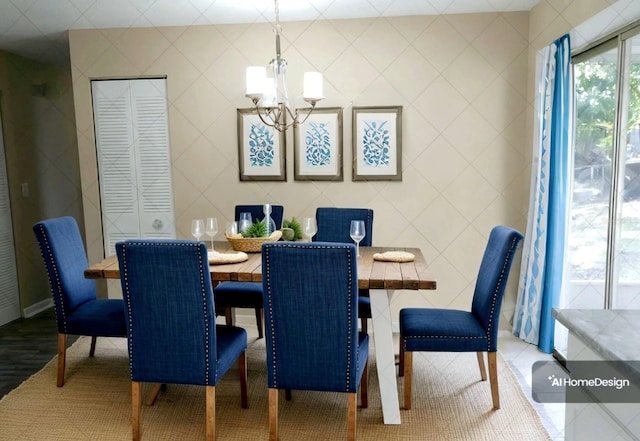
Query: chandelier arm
{"x":309,"y":112}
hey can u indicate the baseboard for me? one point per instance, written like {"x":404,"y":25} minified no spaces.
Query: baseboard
{"x":37,"y":308}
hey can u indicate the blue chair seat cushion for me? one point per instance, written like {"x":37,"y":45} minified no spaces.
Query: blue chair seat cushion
{"x":238,"y":295}
{"x":99,"y":317}
{"x":231,"y":342}
{"x":447,"y":330}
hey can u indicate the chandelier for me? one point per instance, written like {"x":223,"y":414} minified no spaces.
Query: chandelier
{"x":269,"y":93}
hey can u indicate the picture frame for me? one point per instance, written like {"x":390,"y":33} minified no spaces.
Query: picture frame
{"x":377,"y":143}
{"x":261,"y":149}
{"x":318,"y":145}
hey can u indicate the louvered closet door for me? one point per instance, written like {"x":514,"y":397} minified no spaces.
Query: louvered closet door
{"x":153,"y":163}
{"x":9,"y":296}
{"x":132,"y":141}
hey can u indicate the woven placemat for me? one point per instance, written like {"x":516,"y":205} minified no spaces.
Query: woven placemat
{"x":216,"y":258}
{"x":394,"y":256}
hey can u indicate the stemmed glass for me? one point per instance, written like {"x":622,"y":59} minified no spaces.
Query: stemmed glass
{"x":211,"y":228}
{"x":197,"y":228}
{"x":309,"y":227}
{"x":245,"y":221}
{"x":357,"y":233}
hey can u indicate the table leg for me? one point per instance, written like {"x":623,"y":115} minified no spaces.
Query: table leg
{"x":385,"y":354}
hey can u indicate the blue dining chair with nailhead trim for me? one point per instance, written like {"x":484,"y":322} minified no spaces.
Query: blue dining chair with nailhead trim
{"x":311,"y":323}
{"x":78,"y":309}
{"x":246,"y":294}
{"x":333,"y":226}
{"x":451,"y":330}
{"x":172,"y":333}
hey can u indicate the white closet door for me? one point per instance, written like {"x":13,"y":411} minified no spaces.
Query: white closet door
{"x":9,"y":296}
{"x":116,"y":166}
{"x":130,"y":118}
{"x":153,"y":163}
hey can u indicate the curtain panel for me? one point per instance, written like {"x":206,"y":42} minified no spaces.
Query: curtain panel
{"x":541,"y":273}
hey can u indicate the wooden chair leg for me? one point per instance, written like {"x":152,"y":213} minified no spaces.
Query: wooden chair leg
{"x":228,"y":316}
{"x":401,"y":361}
{"x":493,"y":378}
{"x":408,"y":374}
{"x":351,"y":416}
{"x":136,"y":405}
{"x":483,"y":371}
{"x":92,"y":350}
{"x":364,"y":325}
{"x":242,"y":365}
{"x":211,"y":413}
{"x":364,"y":387}
{"x":62,"y":357}
{"x":273,"y":414}
{"x":259,"y":321}
{"x":153,"y":395}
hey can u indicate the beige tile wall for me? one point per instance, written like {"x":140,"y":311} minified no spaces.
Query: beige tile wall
{"x":461,"y":80}
{"x":464,"y":82}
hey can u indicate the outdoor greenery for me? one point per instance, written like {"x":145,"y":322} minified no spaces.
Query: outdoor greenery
{"x":595,"y":91}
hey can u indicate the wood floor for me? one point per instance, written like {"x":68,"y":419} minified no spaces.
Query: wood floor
{"x":26,"y":345}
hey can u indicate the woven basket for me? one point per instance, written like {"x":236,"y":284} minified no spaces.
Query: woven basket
{"x":251,"y":244}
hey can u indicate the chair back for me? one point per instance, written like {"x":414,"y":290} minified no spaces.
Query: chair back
{"x":310,"y":300}
{"x":170,"y":312}
{"x":334,"y":224}
{"x":65,"y":258}
{"x":492,"y":279}
{"x":257,"y":213}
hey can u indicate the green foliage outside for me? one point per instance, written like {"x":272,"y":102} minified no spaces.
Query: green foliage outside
{"x":595,"y":91}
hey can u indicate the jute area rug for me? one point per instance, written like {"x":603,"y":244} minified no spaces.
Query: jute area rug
{"x":449,"y":403}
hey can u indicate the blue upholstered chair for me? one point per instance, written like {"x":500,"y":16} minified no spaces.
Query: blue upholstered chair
{"x":78,"y":310}
{"x":170,"y":316}
{"x":333,"y":226}
{"x":449,"y":330}
{"x":312,"y":336}
{"x":246,"y":294}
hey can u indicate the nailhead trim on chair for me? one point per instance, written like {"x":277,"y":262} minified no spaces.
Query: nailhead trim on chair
{"x":48,"y":257}
{"x":124,"y":270}
{"x":514,"y":246}
{"x":267,"y":270}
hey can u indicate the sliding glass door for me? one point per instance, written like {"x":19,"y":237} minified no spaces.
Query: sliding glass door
{"x":603,"y":257}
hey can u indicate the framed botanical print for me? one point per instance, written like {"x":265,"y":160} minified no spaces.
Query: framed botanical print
{"x":377,"y":143}
{"x":318,"y":145}
{"x":261,"y":149}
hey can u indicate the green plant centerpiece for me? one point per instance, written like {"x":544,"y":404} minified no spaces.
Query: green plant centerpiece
{"x":257,"y":229}
{"x":293,"y":225}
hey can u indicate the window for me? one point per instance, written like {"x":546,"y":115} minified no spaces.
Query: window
{"x":604,"y":241}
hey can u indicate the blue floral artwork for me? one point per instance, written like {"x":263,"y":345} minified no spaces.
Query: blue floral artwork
{"x":376,"y":144}
{"x":318,"y":145}
{"x":261,"y":146}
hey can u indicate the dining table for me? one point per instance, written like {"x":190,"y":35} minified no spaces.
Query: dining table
{"x":383,"y":279}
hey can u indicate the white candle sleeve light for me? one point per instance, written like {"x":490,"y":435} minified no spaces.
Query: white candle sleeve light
{"x":255,"y":81}
{"x":312,"y":86}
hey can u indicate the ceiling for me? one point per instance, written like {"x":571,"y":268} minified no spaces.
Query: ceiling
{"x":37,"y":29}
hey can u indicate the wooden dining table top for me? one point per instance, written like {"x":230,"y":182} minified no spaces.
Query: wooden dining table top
{"x":372,"y":274}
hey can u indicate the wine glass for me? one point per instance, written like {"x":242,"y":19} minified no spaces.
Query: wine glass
{"x":197,"y":228}
{"x":309,"y":227}
{"x":211,"y":228}
{"x":357,"y":233}
{"x":245,"y":221}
